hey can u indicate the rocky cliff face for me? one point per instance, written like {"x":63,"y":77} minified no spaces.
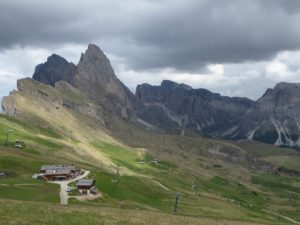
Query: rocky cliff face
{"x":93,"y":75}
{"x":96,"y":77}
{"x":179,"y":107}
{"x":53,"y":70}
{"x":274,"y":118}
{"x":35,"y":99}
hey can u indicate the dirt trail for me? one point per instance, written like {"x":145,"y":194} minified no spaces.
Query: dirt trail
{"x":284,"y":217}
{"x":161,"y":185}
{"x":16,"y":185}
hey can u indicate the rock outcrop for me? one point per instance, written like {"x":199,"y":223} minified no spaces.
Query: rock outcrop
{"x":96,"y":77}
{"x":8,"y":105}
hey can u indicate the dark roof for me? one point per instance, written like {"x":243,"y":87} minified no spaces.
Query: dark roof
{"x":54,"y":167}
{"x":85,"y":182}
{"x":62,"y":170}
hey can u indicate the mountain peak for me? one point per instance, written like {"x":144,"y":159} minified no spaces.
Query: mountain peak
{"x":97,"y":78}
{"x":93,"y":75}
{"x":54,"y":58}
{"x":171,"y":84}
{"x":284,"y":85}
{"x":94,"y":48}
{"x":93,"y":52}
{"x":168,"y":83}
{"x":56,"y":68}
{"x":95,"y":66}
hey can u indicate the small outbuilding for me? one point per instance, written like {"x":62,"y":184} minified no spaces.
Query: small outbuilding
{"x":19,"y":144}
{"x":3,"y":174}
{"x":86,"y":186}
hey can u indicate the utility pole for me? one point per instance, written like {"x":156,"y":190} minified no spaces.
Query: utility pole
{"x":7,"y":133}
{"x":194,"y":186}
{"x":176,"y":202}
{"x":193,"y":182}
{"x":118,"y":170}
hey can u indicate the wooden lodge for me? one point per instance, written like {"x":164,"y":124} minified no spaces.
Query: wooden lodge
{"x":86,"y":186}
{"x":53,"y":167}
{"x":57,"y":172}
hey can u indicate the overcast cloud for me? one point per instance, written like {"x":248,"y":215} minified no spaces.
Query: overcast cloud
{"x":236,"y":47}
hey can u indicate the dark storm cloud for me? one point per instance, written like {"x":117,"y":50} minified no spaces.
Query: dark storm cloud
{"x":221,"y":31}
{"x":184,"y":35}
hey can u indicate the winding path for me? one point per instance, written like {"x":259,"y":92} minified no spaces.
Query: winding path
{"x":282,"y":216}
{"x":161,"y":185}
{"x":64,"y":196}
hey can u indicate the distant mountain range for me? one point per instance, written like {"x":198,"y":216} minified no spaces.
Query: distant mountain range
{"x":93,"y":89}
{"x":274,"y":118}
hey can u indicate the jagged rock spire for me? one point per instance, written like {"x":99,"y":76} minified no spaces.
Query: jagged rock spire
{"x":55,"y":69}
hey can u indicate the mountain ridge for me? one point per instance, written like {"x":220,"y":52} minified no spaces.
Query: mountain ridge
{"x":172,"y":107}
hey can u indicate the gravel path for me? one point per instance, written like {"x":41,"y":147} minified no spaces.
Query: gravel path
{"x":64,"y":196}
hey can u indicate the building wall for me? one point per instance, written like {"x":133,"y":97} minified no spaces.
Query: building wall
{"x":56,"y":176}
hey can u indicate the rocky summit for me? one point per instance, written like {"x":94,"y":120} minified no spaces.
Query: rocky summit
{"x":274,"y":118}
{"x":53,"y":70}
{"x":96,"y":77}
{"x":169,"y":107}
{"x":93,"y":75}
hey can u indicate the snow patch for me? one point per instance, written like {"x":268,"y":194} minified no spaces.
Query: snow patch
{"x":180,"y":120}
{"x":251,"y":134}
{"x":230,"y":131}
{"x":148,"y":125}
{"x":281,"y":131}
{"x":279,"y":139}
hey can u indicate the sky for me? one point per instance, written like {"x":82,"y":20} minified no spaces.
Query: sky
{"x":233,"y":47}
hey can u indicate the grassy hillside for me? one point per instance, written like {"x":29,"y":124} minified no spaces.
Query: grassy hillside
{"x":16,"y":212}
{"x":225,"y":193}
{"x":277,"y":156}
